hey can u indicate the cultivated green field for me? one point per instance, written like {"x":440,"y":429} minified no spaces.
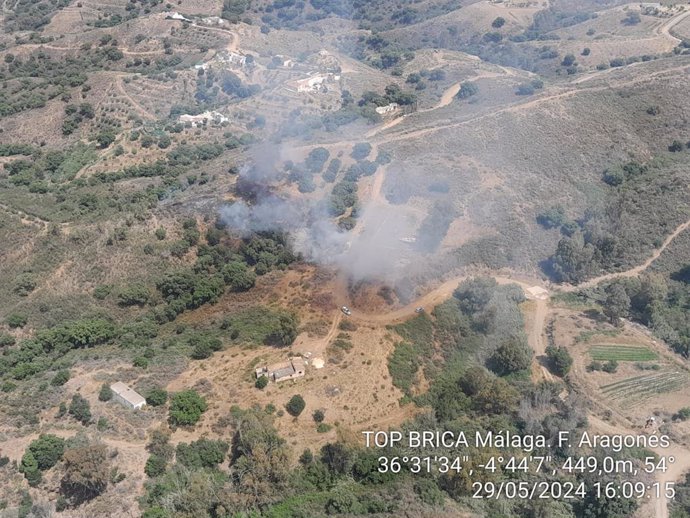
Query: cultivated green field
{"x":625,"y":353}
{"x":640,"y":388}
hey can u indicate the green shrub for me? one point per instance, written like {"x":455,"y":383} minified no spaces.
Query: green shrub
{"x":24,"y":284}
{"x":133,"y":295}
{"x":262,"y":325}
{"x":15,"y":320}
{"x":610,"y":366}
{"x":155,"y":466}
{"x":140,"y":361}
{"x":157,"y":397}
{"x":560,"y":359}
{"x":80,"y":409}
{"x":29,"y":467}
{"x":101,"y":292}
{"x":203,"y":453}
{"x":261,"y":382}
{"x":238,"y":277}
{"x":682,"y":415}
{"x":106,"y":393}
{"x":61,"y":377}
{"x":361,"y":150}
{"x":6,"y":339}
{"x":675,"y":147}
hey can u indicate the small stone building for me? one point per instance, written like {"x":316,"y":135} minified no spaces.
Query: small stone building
{"x":126,"y":396}
{"x":289,"y":370}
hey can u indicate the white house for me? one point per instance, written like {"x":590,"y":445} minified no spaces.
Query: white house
{"x":315,"y":83}
{"x":389,"y":108}
{"x":126,"y":396}
{"x":177,"y":16}
{"x":203,"y":118}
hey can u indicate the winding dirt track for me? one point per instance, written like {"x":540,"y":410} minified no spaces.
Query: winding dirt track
{"x":665,"y":29}
{"x":676,"y":469}
{"x":633,"y":272}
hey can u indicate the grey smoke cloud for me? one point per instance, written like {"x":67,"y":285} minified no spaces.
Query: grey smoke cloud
{"x":374,"y":250}
{"x":269,"y":213}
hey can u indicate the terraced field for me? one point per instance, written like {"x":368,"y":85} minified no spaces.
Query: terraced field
{"x":625,"y":353}
{"x":637,"y":389}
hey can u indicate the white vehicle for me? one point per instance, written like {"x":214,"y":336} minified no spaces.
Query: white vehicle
{"x":346,"y":310}
{"x":420,"y":309}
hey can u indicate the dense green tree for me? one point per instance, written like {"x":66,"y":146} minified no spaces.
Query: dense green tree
{"x":316,"y":159}
{"x":136,"y":294}
{"x":574,"y":259}
{"x":186,"y":408}
{"x":676,"y":146}
{"x":553,"y":217}
{"x":157,"y":397}
{"x":238,"y":277}
{"x":29,"y":467}
{"x":496,"y":397}
{"x":204,"y":345}
{"x":105,"y":138}
{"x":296,"y":405}
{"x":474,"y":294}
{"x":498,"y":22}
{"x":617,"y":303}
{"x":511,"y":356}
{"x":560,"y":359}
{"x":47,"y":450}
{"x":467,"y":90}
{"x":80,"y":409}
{"x":568,"y":60}
{"x":203,"y":453}
{"x":155,"y":466}
{"x":632,"y":18}
{"x":285,"y":332}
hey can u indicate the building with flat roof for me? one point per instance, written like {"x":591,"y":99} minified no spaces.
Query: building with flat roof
{"x":126,"y":396}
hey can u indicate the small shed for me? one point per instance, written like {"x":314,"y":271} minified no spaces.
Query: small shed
{"x":126,"y":396}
